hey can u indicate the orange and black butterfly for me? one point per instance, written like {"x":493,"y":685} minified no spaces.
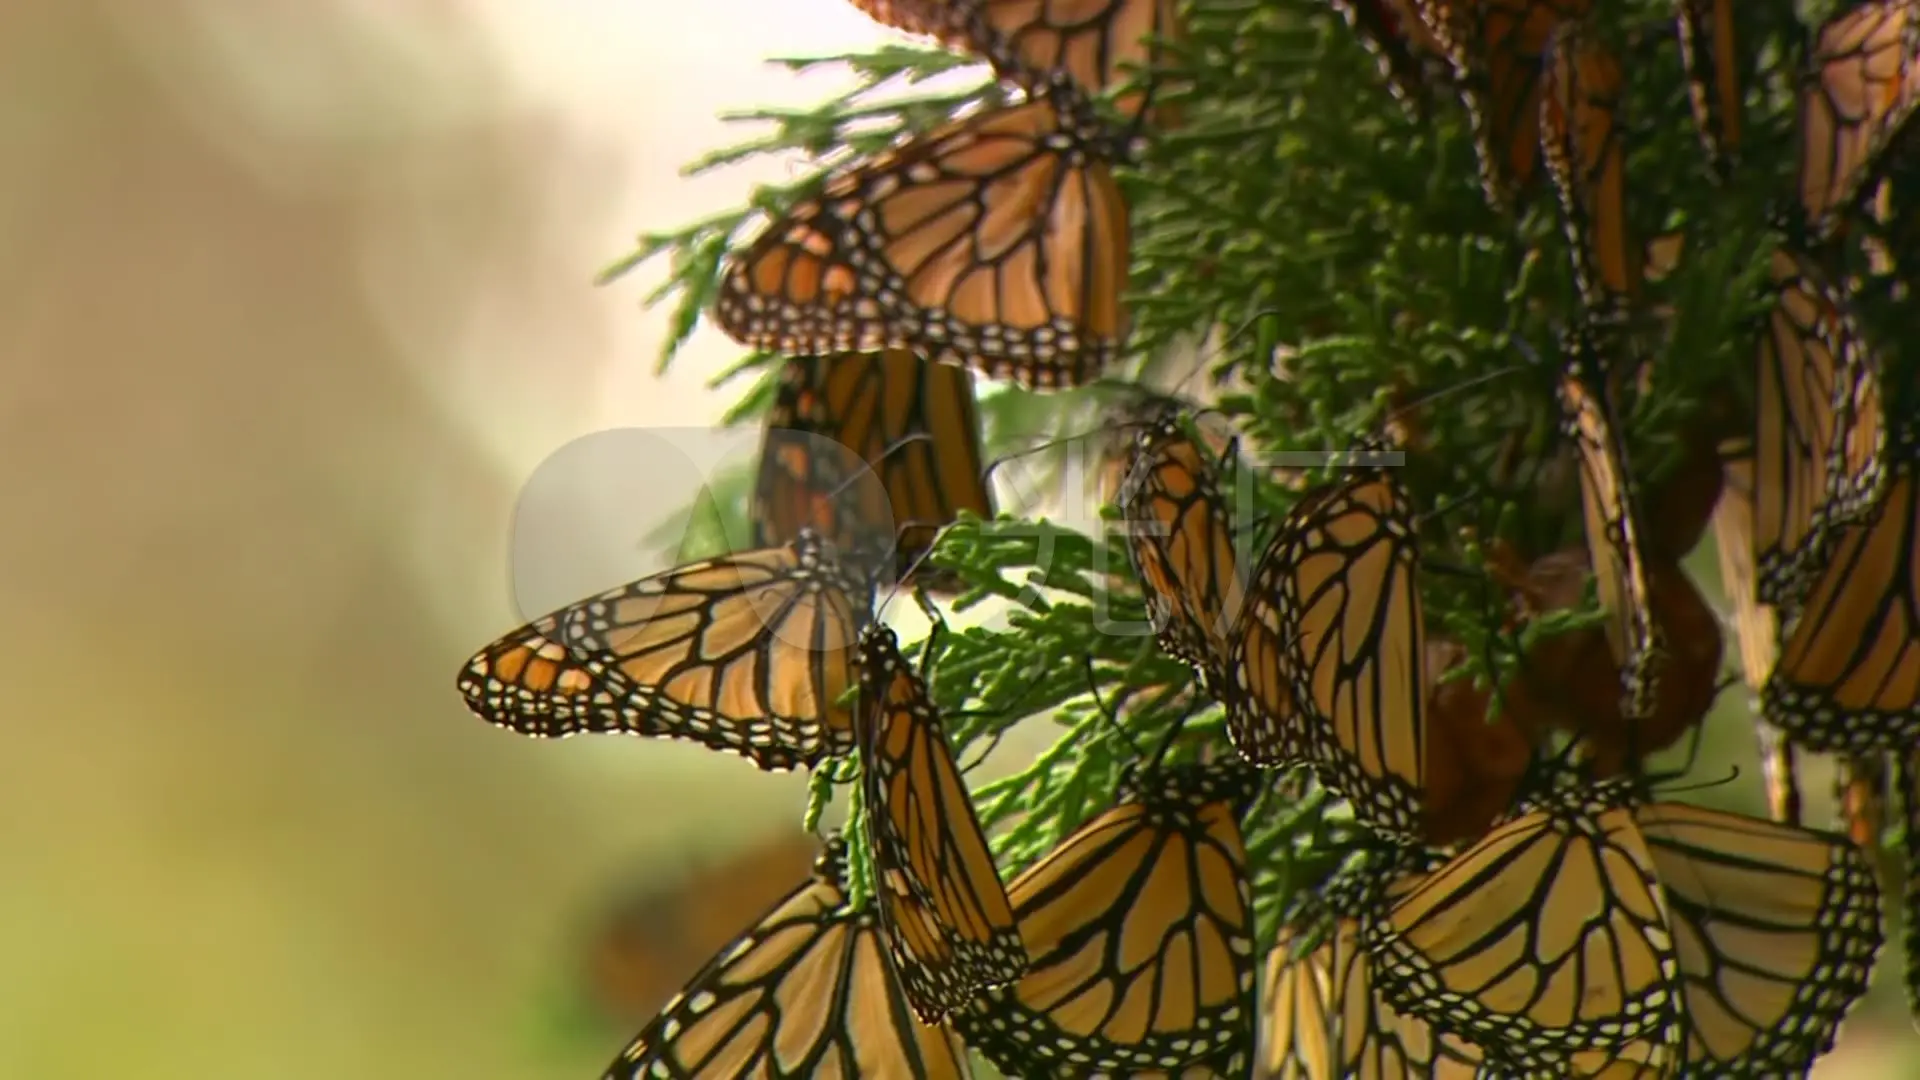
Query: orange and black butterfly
{"x":1711,"y":55}
{"x":1092,"y":42}
{"x":1140,"y":925}
{"x":1497,"y":48}
{"x":1595,"y":924}
{"x":1580,"y":132}
{"x":949,"y":924}
{"x":1322,"y":1018}
{"x":998,"y":241}
{"x":875,"y":451}
{"x":1181,"y":543}
{"x":1613,"y":526}
{"x":806,"y":991}
{"x":1411,"y":58}
{"x":1547,"y":942}
{"x":1857,"y":101}
{"x":748,"y":653}
{"x":1848,"y":675}
{"x":1329,"y":653}
{"x":1816,"y":441}
{"x":1775,"y":929}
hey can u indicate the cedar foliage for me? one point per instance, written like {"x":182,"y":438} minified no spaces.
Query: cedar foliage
{"x":1332,"y":249}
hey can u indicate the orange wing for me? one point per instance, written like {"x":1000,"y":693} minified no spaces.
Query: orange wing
{"x":997,"y":241}
{"x":1141,"y":929}
{"x":1497,"y":47}
{"x":1712,"y":59}
{"x":748,"y":653}
{"x":1586,"y":154}
{"x":941,"y":900}
{"x":1864,"y":87}
{"x":1092,"y":42}
{"x":1181,"y":544}
{"x":876,"y":451}
{"x":804,"y":992}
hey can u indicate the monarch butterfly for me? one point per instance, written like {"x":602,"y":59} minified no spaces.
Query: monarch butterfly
{"x":998,"y":240}
{"x":748,"y":653}
{"x":1581,"y":85}
{"x":1775,"y":929}
{"x":1141,"y":928}
{"x":1411,"y":58}
{"x":1033,"y":41}
{"x":913,"y":423}
{"x":1332,"y":630}
{"x":1848,"y":677}
{"x":1323,"y":1019}
{"x":1547,"y":940}
{"x":1612,"y":509}
{"x":806,"y":991}
{"x":1812,"y":383}
{"x":1856,"y":99}
{"x":1181,"y":545}
{"x":1758,"y":633}
{"x":1496,"y":47}
{"x":1711,"y":56}
{"x":942,"y":904}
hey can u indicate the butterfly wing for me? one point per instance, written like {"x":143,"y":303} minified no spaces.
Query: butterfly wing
{"x":805,"y":992}
{"x":1140,"y":925}
{"x":1775,"y":928}
{"x":1264,"y":719}
{"x":1546,"y":939}
{"x":1346,"y":563}
{"x":1496,"y":48}
{"x":1585,"y":151}
{"x":1611,"y":508}
{"x":747,"y":653}
{"x":1092,"y":42}
{"x":1326,"y":1020}
{"x":1857,"y":98}
{"x":1711,"y":56}
{"x":876,"y":451}
{"x":1181,"y":544}
{"x":998,"y":241}
{"x":1848,"y":677}
{"x":1819,"y":438}
{"x":941,"y":900}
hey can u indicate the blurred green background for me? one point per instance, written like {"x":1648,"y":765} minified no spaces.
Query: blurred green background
{"x":296,"y":294}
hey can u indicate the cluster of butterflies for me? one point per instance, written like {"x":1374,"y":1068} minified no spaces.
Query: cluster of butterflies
{"x":1514,"y":906}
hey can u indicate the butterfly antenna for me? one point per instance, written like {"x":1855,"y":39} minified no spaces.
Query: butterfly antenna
{"x":936,"y":634}
{"x":993,"y":743}
{"x":1112,"y":715}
